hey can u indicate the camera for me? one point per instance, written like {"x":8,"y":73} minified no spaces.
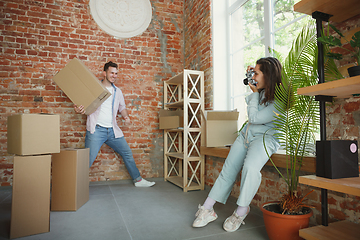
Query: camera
{"x":248,"y":79}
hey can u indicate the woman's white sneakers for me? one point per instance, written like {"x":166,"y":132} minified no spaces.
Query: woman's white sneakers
{"x":233,"y":222}
{"x":204,"y":216}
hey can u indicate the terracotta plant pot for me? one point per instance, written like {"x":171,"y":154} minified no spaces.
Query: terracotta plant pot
{"x":354,"y":71}
{"x":284,"y":227}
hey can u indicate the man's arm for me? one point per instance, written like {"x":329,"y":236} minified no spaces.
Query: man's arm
{"x":125,"y":115}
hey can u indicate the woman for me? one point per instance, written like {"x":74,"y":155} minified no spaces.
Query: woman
{"x":247,"y":153}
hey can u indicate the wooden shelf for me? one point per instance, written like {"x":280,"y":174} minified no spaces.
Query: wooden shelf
{"x":178,"y":181}
{"x":344,"y":185}
{"x":342,"y":88}
{"x":179,"y":104}
{"x":177,"y":79}
{"x":309,"y":164}
{"x":175,"y":155}
{"x":341,"y":10}
{"x":335,"y":231}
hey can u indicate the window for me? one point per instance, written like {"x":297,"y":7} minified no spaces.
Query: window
{"x":249,"y":28}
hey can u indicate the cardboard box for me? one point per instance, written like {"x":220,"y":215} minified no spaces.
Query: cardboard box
{"x":70,"y":179}
{"x":30,"y":209}
{"x":221,"y":128}
{"x":31,"y":134}
{"x":171,"y":119}
{"x":81,"y":86}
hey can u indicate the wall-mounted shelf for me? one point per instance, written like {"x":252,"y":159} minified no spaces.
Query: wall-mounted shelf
{"x":335,"y":231}
{"x":341,"y":10}
{"x":344,"y":185}
{"x":343,"y":88}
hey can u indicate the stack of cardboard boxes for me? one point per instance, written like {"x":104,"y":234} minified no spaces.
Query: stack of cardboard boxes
{"x":35,"y":141}
{"x":32,"y":138}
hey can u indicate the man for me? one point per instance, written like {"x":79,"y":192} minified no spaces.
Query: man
{"x":101,"y":126}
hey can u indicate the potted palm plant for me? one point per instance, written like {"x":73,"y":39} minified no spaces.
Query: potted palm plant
{"x":297,"y":122}
{"x":354,"y":49}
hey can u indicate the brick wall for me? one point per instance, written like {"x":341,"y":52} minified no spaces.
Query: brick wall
{"x":39,"y":37}
{"x":198,"y":42}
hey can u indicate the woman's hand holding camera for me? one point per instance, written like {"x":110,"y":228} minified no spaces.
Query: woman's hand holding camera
{"x":252,"y":87}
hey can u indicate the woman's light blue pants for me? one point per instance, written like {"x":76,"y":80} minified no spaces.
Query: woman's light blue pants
{"x":250,"y":157}
{"x":106,"y":135}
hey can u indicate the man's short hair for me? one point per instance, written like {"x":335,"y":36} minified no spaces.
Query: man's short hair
{"x":110,"y":64}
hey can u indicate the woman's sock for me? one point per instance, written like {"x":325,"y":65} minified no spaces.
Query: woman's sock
{"x":209,"y":203}
{"x":241,"y":211}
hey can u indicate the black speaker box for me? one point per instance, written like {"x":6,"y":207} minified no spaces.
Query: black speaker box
{"x":337,"y":159}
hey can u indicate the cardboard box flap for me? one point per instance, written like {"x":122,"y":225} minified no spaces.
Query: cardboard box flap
{"x":221,"y":115}
{"x":75,"y":69}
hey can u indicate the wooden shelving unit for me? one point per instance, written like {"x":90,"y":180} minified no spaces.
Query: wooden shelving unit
{"x":184,"y":165}
{"x":339,"y":11}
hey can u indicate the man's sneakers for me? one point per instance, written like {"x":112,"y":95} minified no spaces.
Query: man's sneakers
{"x":233,"y":222}
{"x":144,"y":183}
{"x":204,"y":216}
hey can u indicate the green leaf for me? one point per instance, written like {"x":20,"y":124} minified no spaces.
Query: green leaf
{"x":330,"y":40}
{"x":355,"y":40}
{"x":336,"y":56}
{"x":336,"y":30}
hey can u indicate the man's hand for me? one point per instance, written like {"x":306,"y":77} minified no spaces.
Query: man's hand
{"x":127,"y":120}
{"x":79,"y":109}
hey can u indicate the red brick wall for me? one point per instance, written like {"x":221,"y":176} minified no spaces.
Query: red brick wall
{"x":198,"y":42}
{"x":39,"y":37}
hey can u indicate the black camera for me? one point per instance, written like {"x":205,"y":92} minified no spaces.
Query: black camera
{"x":248,"y":79}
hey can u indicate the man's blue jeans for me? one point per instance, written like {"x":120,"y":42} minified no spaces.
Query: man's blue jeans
{"x":106,"y":135}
